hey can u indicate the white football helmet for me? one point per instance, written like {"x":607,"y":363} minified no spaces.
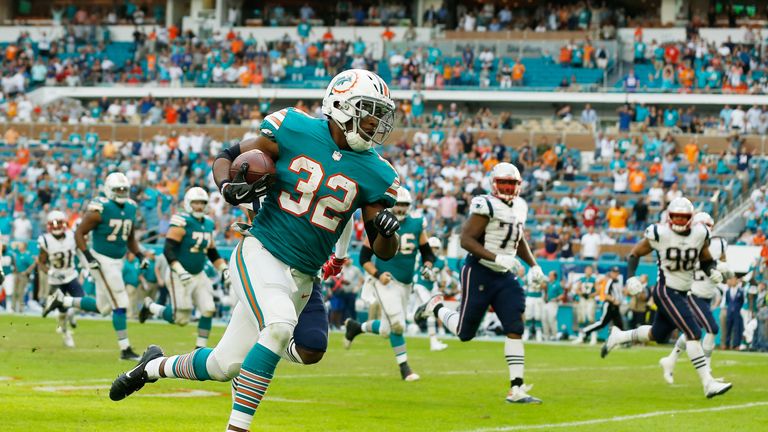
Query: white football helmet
{"x":195,"y":195}
{"x":57,"y":222}
{"x":403,"y":203}
{"x":354,"y":95}
{"x":680,"y":213}
{"x":435,"y":243}
{"x":117,"y":187}
{"x":704,"y":218}
{"x":505,"y":181}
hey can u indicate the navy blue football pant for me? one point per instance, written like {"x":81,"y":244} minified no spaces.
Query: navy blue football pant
{"x":311,"y":331}
{"x":482,"y":287}
{"x":674,"y":313}
{"x":703,"y":313}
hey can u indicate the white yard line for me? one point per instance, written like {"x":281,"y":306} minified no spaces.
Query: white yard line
{"x":619,"y":418}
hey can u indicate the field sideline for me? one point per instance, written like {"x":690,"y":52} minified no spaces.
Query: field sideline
{"x":46,"y":387}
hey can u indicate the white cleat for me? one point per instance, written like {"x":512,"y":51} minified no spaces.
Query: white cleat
{"x":579,"y":339}
{"x":716,"y":388}
{"x":428,"y":309}
{"x":69,"y":341}
{"x":593,"y":339}
{"x":437,"y":346}
{"x":611,"y":342}
{"x":519,"y":395}
{"x":668,"y":365}
{"x":412,"y":377}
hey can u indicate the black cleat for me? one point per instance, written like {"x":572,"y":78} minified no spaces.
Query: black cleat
{"x":129,"y":354}
{"x":133,"y":380}
{"x":53,"y":301}
{"x":144,"y":314}
{"x":353,"y":329}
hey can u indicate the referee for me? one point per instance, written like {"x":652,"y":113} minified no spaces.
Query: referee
{"x":611,"y":304}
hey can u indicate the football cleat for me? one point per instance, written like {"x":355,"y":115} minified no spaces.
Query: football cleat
{"x":593,"y":339}
{"x":144,"y":312}
{"x":407,"y":374}
{"x":133,"y":380}
{"x":129,"y":354}
{"x":579,"y":339}
{"x":353,"y":328}
{"x":69,"y":341}
{"x":716,"y":388}
{"x":437,"y":345}
{"x":427,"y":309}
{"x":54,"y":301}
{"x":668,"y":366}
{"x":519,"y":394}
{"x":611,"y":342}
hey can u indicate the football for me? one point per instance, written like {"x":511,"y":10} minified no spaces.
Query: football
{"x":259,"y":164}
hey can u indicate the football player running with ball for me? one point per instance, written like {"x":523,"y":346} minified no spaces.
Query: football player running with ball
{"x":57,"y":259}
{"x":493,"y":236}
{"x":188,"y":243}
{"x":680,"y":245}
{"x":110,"y":220}
{"x":703,"y":293}
{"x":391,"y":283}
{"x":325,"y":170}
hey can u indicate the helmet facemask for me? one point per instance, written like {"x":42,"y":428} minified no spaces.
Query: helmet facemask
{"x":57,"y":227}
{"x":400,"y":210}
{"x":119,"y":194}
{"x":198,"y":209}
{"x":680,"y":222}
{"x":506,"y":188}
{"x":360,"y":109}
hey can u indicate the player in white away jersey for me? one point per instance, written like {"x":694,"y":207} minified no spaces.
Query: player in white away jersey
{"x":493,"y":236}
{"x":704,"y":293}
{"x":680,"y":245}
{"x":57,"y":259}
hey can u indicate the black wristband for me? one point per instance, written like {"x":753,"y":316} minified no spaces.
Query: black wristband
{"x":377,"y":274}
{"x":230,"y":153}
{"x":140,"y":256}
{"x":88,"y":255}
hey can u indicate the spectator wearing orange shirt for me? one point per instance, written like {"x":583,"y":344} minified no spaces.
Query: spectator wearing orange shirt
{"x":237,"y":45}
{"x":388,"y":34}
{"x":685,"y":76}
{"x":490,"y":162}
{"x":10,"y":52}
{"x":589,"y":52}
{"x":655,"y":169}
{"x":637,"y":180}
{"x":328,"y":35}
{"x":691,"y":152}
{"x":759,"y":238}
{"x":565,"y":55}
{"x":171,"y":115}
{"x":22,"y":155}
{"x":617,"y":217}
{"x":518,"y":73}
{"x":549,"y":158}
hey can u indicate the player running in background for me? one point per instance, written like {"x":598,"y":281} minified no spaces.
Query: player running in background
{"x":110,"y":221}
{"x":704,"y":293}
{"x":391,"y":283}
{"x":585,"y":309}
{"x":188,"y":244}
{"x":679,"y":245}
{"x":325,"y":170}
{"x":426,"y":288}
{"x":57,"y":258}
{"x":493,"y":236}
{"x":534,"y":306}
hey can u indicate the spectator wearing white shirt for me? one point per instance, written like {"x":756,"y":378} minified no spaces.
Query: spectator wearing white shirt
{"x":620,"y":180}
{"x":673,"y":192}
{"x":22,"y":227}
{"x":590,"y":245}
{"x":589,"y":117}
{"x":656,"y":194}
{"x":737,"y":118}
{"x":753,"y":118}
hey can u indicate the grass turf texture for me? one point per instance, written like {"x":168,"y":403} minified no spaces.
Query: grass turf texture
{"x":53,"y":388}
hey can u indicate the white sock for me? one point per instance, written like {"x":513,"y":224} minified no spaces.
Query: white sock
{"x":291,"y":353}
{"x":640,"y":334}
{"x":708,"y":344}
{"x":432,"y":327}
{"x":679,"y":347}
{"x":68,"y":302}
{"x":514,"y":352}
{"x":156,"y":309}
{"x":699,"y":361}
{"x":449,"y":318}
{"x":365,"y":327}
{"x":63,"y":320}
{"x":124,"y":343}
{"x":240,"y":420}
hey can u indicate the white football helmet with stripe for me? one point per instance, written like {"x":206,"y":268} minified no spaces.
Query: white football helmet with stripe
{"x":402,"y":204}
{"x":196,"y":195}
{"x":117,"y":187}
{"x":354,"y":95}
{"x":680,"y":213}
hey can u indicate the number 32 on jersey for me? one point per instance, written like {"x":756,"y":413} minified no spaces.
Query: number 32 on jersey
{"x":308,"y":200}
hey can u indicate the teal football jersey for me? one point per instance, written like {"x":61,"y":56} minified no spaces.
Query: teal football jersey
{"x":439,"y":265}
{"x":403,"y":265}
{"x":131,"y":272}
{"x":587,"y":285}
{"x":110,"y":237}
{"x":317,"y":189}
{"x":198,"y":236}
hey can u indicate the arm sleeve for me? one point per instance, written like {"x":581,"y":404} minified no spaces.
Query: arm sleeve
{"x":170,"y":249}
{"x":342,"y":244}
{"x":366,"y":254}
{"x":426,"y":253}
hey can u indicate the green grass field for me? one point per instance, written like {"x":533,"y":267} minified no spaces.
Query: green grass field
{"x":46,"y":387}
